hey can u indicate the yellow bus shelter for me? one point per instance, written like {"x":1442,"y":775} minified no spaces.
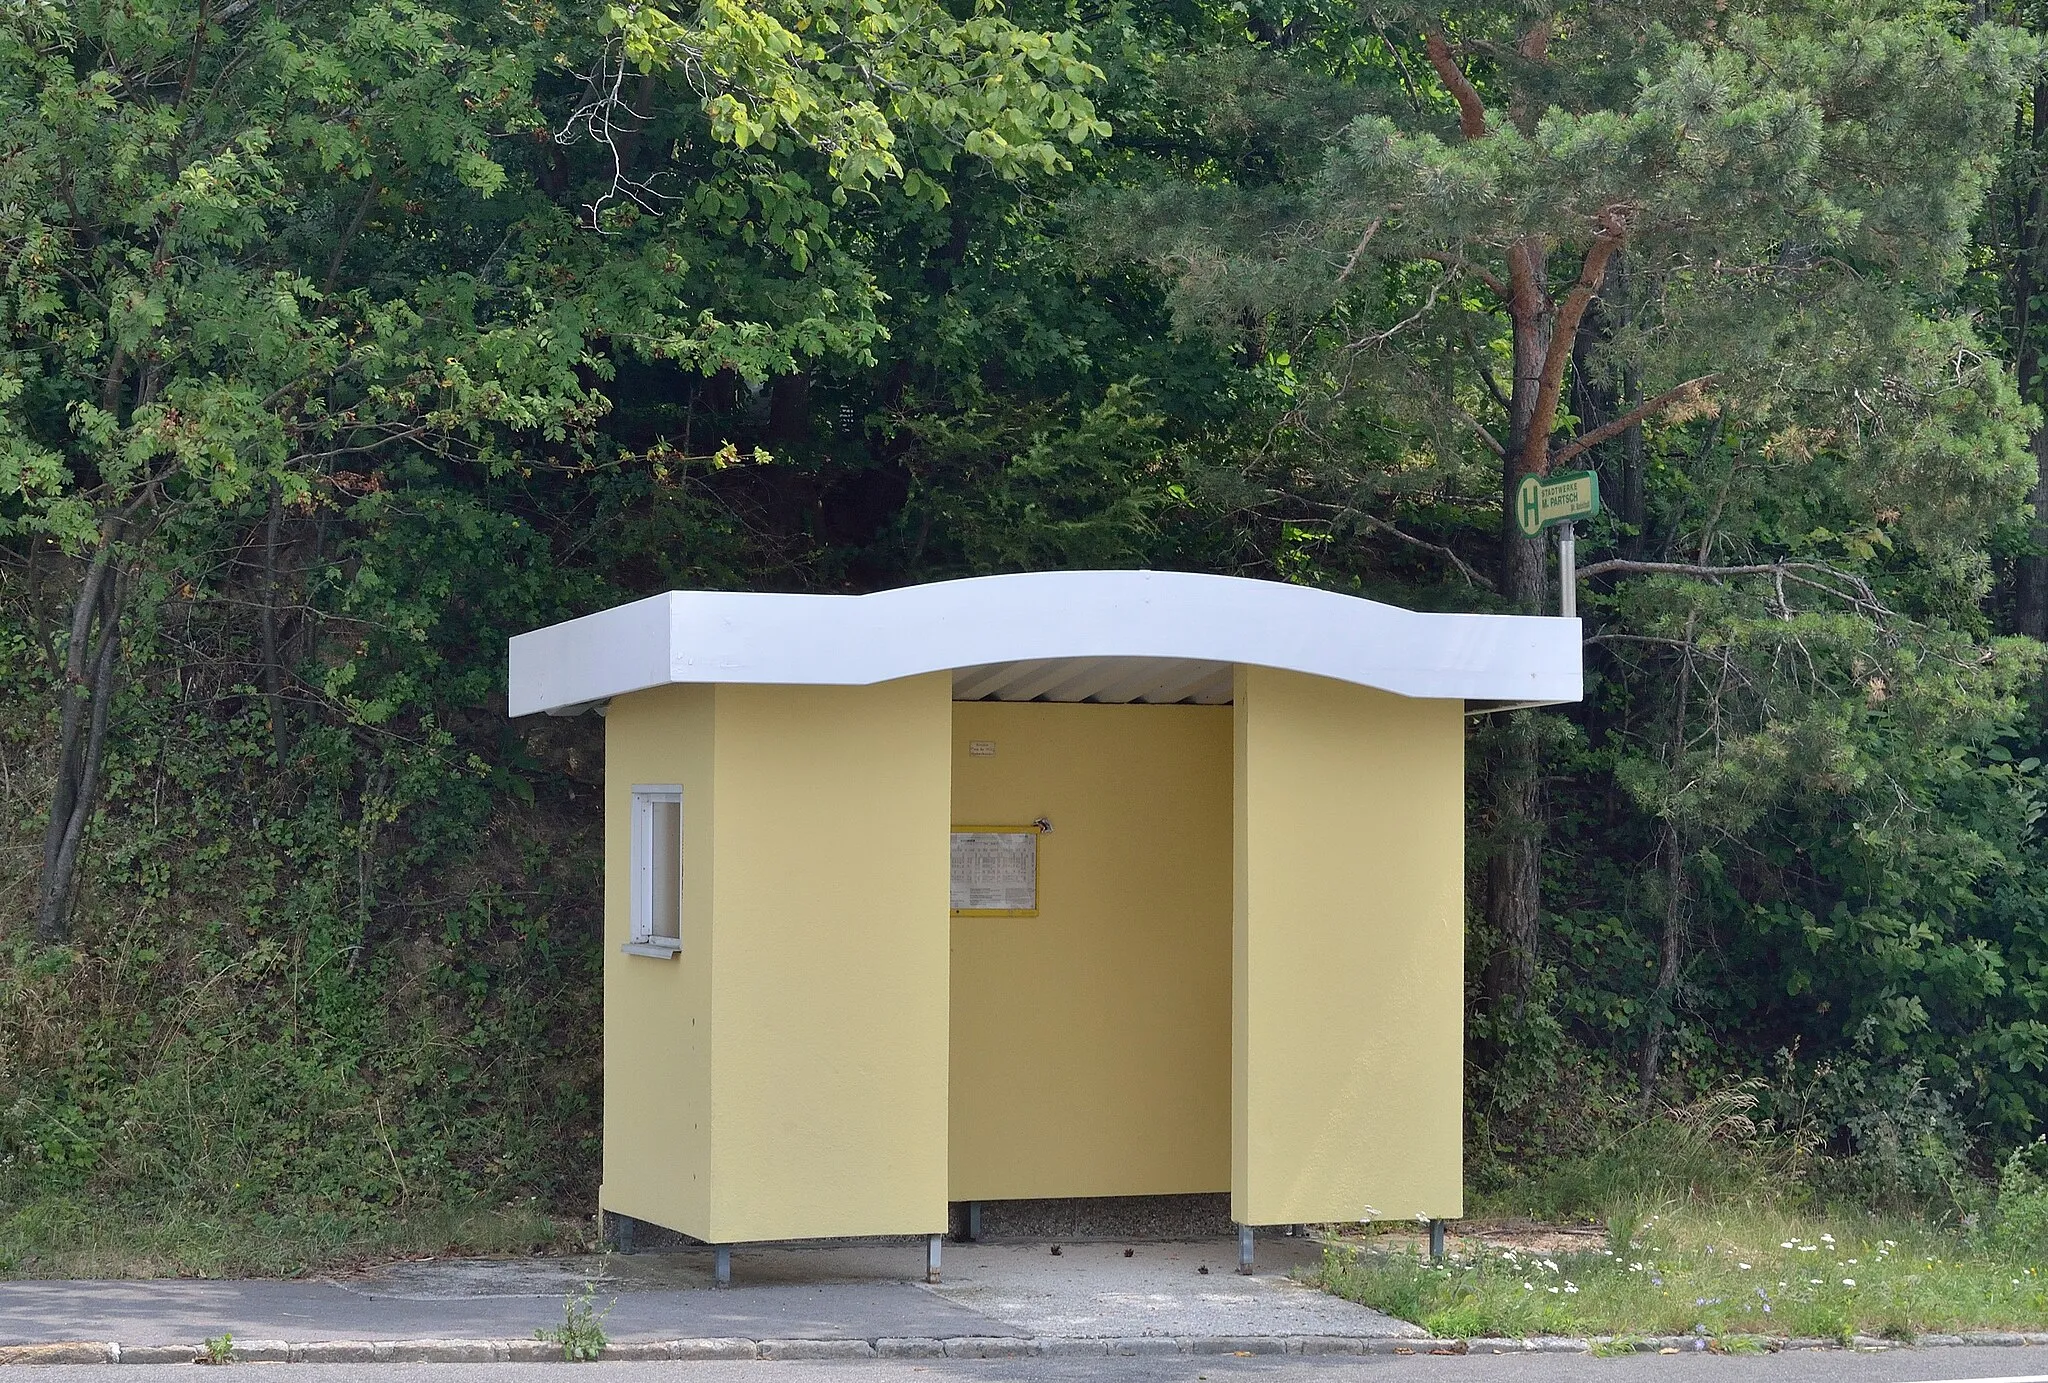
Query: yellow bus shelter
{"x":1051,"y":885}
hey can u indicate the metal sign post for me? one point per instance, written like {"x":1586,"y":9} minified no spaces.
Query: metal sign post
{"x":1567,"y":571}
{"x":1556,"y":502}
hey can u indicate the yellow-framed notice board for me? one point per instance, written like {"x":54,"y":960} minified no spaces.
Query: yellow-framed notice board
{"x":995,"y":871}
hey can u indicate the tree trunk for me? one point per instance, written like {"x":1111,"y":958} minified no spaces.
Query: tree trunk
{"x":1603,"y":391}
{"x":2030,"y":575}
{"x":1514,"y":892}
{"x":1521,"y":567}
{"x":81,"y":734}
{"x":1514,"y":881}
{"x":273,"y":667}
{"x":1671,"y":959}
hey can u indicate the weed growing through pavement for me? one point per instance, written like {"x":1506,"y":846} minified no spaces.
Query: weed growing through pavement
{"x":220,"y":1349}
{"x":581,"y":1333}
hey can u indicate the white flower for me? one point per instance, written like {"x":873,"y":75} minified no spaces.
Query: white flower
{"x":1528,"y":1287}
{"x":1789,"y":1243}
{"x":1848,"y":1282}
{"x":1570,"y":1290}
{"x":1809,"y":1248}
{"x":1549,"y":1266}
{"x":1552,"y":1291}
{"x":1743,"y":1266}
{"x":1814,"y":1281}
{"x":1891,"y":1243}
{"x":1827,"y":1238}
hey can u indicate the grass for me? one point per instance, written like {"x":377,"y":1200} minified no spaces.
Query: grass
{"x":65,"y":1237}
{"x":1714,"y":1268}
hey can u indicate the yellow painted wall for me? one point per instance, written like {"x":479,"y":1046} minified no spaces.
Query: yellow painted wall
{"x":821,"y":1110}
{"x":1348,"y":995}
{"x":829,"y":989}
{"x":1091,"y":1044}
{"x":657,"y":1028}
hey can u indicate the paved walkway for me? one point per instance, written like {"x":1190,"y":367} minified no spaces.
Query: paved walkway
{"x":840,"y":1292}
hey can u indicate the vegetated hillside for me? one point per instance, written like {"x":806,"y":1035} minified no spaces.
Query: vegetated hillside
{"x":335,"y":353}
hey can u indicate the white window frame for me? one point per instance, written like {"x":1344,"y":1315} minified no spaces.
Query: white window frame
{"x":640,"y":872}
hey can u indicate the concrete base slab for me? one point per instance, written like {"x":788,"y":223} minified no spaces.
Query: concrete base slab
{"x":1093,"y":1290}
{"x":848,"y":1293}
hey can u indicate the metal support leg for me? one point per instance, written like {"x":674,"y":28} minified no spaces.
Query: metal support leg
{"x":621,"y":1227}
{"x":1244,"y":1249}
{"x":974,"y":1222}
{"x":931,"y":1257}
{"x":1436,"y":1241}
{"x":721,"y":1265}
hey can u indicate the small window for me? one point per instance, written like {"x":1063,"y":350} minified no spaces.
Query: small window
{"x":657,"y":870}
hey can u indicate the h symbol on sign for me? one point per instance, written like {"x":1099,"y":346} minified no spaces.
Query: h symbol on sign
{"x":1529,"y":495}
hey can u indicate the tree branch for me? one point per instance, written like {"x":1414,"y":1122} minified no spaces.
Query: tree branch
{"x":1471,"y":577}
{"x":1492,"y":443}
{"x":1859,"y":593}
{"x":1592,"y":273}
{"x":1581,"y":445}
{"x":1359,"y":249}
{"x":1480,"y":272}
{"x":1471,"y":110}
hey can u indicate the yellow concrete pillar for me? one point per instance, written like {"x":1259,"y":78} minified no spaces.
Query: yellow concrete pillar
{"x":785,"y":1075}
{"x":1348,"y":978}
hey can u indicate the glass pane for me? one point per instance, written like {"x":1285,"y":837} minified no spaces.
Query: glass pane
{"x":666,"y":910}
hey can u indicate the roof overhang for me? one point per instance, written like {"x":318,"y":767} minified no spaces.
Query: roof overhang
{"x":1102,"y":636}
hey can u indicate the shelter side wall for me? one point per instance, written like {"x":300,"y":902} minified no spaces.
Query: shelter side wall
{"x":1348,"y":991}
{"x":1091,"y":1043}
{"x":657,"y":1013}
{"x":829,"y":996}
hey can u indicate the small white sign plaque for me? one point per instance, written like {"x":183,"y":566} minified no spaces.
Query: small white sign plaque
{"x":995,"y":872}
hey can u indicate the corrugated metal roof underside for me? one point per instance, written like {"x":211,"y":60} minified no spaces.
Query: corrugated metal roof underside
{"x":1104,"y":681}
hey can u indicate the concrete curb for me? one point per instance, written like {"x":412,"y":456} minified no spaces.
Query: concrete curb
{"x":962,"y":1347}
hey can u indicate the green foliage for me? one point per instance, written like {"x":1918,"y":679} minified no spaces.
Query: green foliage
{"x":2019,"y":1219}
{"x":365,"y":341}
{"x":219,"y":1349}
{"x":581,"y":1333}
{"x":1722,"y":1271}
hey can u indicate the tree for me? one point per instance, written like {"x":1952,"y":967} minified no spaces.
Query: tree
{"x":1765,"y":172}
{"x":252,"y":251}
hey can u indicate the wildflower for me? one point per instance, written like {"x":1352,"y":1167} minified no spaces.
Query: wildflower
{"x":1848,"y":1282}
{"x":1891,"y":1243}
{"x":1789,"y":1243}
{"x":1743,"y":1266}
{"x":1850,"y":1261}
{"x":1528,"y":1287}
{"x":1809,"y":1248}
{"x":1570,"y":1289}
{"x":1827,"y":1238}
{"x":1814,"y":1281}
{"x":1551,"y":1290}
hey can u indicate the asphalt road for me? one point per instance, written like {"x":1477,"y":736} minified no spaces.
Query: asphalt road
{"x":2010,"y":1365}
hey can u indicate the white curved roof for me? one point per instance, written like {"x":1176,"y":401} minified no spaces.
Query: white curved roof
{"x":1063,"y":636}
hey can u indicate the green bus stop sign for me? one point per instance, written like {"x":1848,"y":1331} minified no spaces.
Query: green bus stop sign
{"x":1542,"y":501}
